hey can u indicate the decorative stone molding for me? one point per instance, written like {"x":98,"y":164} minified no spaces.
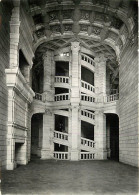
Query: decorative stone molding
{"x":17,"y":82}
{"x":48,"y":112}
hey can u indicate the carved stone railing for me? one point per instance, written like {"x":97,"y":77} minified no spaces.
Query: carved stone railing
{"x":61,"y":79}
{"x":61,"y":135}
{"x":87,"y":86}
{"x":61,"y":97}
{"x":111,"y":98}
{"x":87,"y":98}
{"x":87,"y":59}
{"x":87,"y":142}
{"x":87,"y":156}
{"x":39,"y":96}
{"x":61,"y":155}
{"x":88,"y":114}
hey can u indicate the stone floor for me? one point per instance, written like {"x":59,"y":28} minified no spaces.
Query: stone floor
{"x":65,"y":177}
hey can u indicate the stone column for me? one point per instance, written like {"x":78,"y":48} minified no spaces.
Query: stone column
{"x":49,"y":72}
{"x":75,"y":100}
{"x":47,"y":138}
{"x":100,"y":135}
{"x":100,"y":77}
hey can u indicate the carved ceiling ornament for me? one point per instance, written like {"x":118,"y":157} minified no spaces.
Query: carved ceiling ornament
{"x":40,"y":33}
{"x":53,"y":15}
{"x":96,"y":30}
{"x":56,"y":28}
{"x":68,"y":27}
{"x":85,"y":15}
{"x":83,"y":27}
{"x":67,"y":14}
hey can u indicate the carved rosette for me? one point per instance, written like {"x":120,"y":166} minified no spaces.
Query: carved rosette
{"x":67,"y":27}
{"x":85,"y":15}
{"x":53,"y":16}
{"x":96,"y":30}
{"x":83,"y":27}
{"x":67,"y":14}
{"x":56,"y":29}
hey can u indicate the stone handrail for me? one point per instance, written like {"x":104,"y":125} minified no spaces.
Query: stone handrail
{"x":88,"y":114}
{"x":87,"y":142}
{"x":87,"y":156}
{"x":111,"y":98}
{"x":61,"y":79}
{"x":87,"y":59}
{"x":61,"y":155}
{"x":61,"y":97}
{"x":88,"y":86}
{"x":39,"y":96}
{"x":87,"y":98}
{"x":61,"y":135}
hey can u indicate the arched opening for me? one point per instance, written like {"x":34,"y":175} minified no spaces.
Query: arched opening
{"x":36,"y":134}
{"x":37,"y":76}
{"x":112,"y":133}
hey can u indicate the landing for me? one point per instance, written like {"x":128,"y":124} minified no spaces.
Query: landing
{"x":65,"y":177}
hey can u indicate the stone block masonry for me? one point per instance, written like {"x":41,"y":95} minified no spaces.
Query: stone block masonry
{"x":128,"y":109}
{"x":5,"y":15}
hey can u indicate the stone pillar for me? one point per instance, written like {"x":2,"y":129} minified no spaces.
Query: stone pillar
{"x":100,"y":135}
{"x":14,"y":34}
{"x":100,"y":77}
{"x":49,"y":72}
{"x":40,"y":138}
{"x":47,"y":138}
{"x":75,"y":100}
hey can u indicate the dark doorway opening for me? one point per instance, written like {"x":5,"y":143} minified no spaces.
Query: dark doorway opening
{"x":112,"y":124}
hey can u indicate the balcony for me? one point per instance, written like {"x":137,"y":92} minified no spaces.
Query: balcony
{"x":88,"y":116}
{"x":111,"y":98}
{"x":61,"y":155}
{"x":61,"y":81}
{"x":87,"y":88}
{"x":40,"y":97}
{"x":88,"y":62}
{"x":62,"y":97}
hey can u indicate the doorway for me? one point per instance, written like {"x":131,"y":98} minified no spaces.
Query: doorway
{"x":112,"y":126}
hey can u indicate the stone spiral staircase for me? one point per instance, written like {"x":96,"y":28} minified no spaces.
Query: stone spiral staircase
{"x":88,"y":100}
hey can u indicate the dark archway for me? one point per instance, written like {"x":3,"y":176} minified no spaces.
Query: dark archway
{"x":36,"y":134}
{"x":112,"y":131}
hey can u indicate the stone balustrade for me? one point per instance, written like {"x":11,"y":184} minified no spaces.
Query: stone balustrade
{"x":87,"y":156}
{"x":88,"y":114}
{"x":111,"y":98}
{"x":87,"y":142}
{"x":38,"y":96}
{"x":61,"y":79}
{"x":61,"y":155}
{"x":87,"y":98}
{"x":61,"y":135}
{"x":61,"y":97}
{"x":87,"y":86}
{"x":87,"y":59}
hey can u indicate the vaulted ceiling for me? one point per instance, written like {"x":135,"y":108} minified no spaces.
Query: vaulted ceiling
{"x":103,"y":26}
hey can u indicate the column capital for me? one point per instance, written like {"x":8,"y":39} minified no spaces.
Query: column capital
{"x":100,"y":58}
{"x":48,"y":112}
{"x":75,"y":46}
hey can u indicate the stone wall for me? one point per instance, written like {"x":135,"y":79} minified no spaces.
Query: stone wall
{"x":128,"y":106}
{"x":5,"y":14}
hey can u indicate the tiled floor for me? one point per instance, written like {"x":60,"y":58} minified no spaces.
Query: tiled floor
{"x":65,"y":177}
